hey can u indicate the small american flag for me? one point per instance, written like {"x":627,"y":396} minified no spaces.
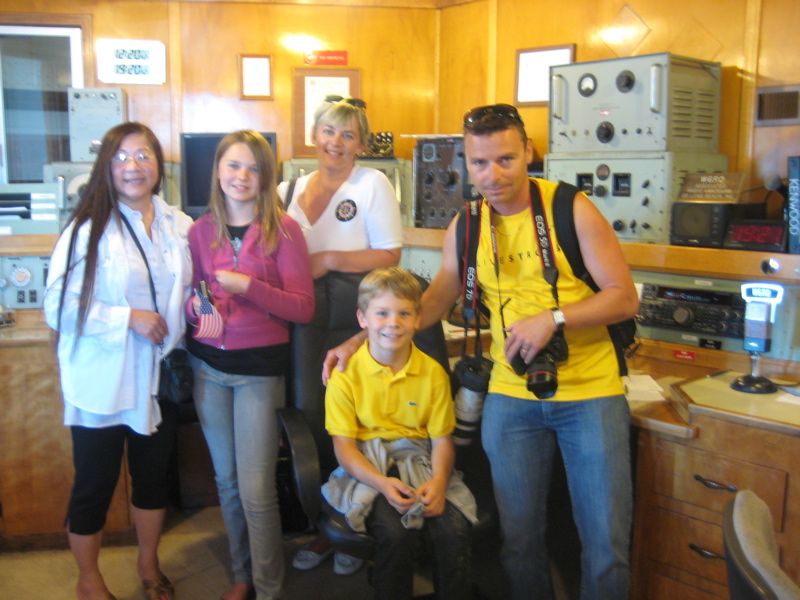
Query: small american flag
{"x":210,"y":323}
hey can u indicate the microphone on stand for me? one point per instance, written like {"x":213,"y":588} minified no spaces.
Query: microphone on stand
{"x":774,"y":183}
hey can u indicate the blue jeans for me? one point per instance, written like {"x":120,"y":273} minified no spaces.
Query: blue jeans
{"x":237,"y":413}
{"x":519,"y":437}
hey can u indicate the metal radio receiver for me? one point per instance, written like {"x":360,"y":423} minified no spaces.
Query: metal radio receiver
{"x":657,"y":102}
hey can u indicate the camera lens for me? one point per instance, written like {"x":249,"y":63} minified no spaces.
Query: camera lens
{"x":518,"y":364}
{"x":468,"y":409}
{"x":542,"y":383}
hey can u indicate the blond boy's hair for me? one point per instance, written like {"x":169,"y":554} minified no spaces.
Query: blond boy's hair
{"x":398,"y":281}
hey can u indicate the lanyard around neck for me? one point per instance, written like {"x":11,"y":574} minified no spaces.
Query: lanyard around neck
{"x":541,"y":233}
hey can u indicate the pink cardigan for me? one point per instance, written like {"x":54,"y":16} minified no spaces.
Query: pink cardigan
{"x":281,"y":288}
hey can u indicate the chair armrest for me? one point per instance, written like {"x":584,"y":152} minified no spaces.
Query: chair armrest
{"x":305,"y":460}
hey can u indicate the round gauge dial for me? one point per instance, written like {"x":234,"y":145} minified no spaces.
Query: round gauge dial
{"x":20,"y":276}
{"x":587,"y":85}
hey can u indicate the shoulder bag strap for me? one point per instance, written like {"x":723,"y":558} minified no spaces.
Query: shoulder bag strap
{"x":144,"y":258}
{"x":289,"y":193}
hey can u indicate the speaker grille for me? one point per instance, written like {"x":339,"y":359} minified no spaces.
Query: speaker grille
{"x":778,"y":106}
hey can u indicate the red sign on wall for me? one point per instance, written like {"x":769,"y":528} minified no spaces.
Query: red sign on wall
{"x":326,"y":58}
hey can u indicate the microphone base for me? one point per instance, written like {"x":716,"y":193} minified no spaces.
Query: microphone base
{"x":754,"y":384}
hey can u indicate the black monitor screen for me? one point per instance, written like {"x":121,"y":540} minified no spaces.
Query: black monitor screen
{"x":197,"y":164}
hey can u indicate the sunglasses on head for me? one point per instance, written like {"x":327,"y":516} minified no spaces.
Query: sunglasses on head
{"x":357,"y":102}
{"x":504,"y":111}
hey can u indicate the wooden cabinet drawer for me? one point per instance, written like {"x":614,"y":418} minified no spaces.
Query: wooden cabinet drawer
{"x":670,"y":540}
{"x":661,"y":587}
{"x":681,"y":472}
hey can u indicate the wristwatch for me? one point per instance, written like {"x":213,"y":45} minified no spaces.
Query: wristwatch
{"x":558,"y":317}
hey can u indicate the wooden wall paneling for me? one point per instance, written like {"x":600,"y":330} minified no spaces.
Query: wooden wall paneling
{"x":35,"y":448}
{"x":466,"y":76}
{"x":139,"y":20}
{"x":522,"y":24}
{"x":175,"y":75}
{"x":392,"y":49}
{"x":778,"y":64}
{"x":397,"y":53}
{"x":210,"y":98}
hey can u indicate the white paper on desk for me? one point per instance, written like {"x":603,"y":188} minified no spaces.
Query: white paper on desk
{"x":788,"y":398}
{"x":642,"y":388}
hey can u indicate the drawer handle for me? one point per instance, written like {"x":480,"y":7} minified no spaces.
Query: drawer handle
{"x":705,"y":553}
{"x":714,"y":485}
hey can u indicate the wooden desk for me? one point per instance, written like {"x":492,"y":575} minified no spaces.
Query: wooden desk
{"x":35,"y":447}
{"x":683,"y":484}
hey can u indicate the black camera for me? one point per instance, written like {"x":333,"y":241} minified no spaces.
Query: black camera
{"x":472,"y":376}
{"x":541,"y":377}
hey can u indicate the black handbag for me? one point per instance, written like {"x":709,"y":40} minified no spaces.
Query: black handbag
{"x":176,"y":377}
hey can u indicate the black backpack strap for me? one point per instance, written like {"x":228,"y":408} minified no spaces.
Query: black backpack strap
{"x":622,"y":334}
{"x":289,"y":193}
{"x":564,"y":224}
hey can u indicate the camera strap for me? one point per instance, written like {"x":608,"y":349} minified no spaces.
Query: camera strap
{"x":470,"y":310}
{"x":542,"y":235}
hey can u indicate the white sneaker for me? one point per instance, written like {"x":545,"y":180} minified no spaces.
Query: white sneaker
{"x":306,"y":559}
{"x":344,"y":564}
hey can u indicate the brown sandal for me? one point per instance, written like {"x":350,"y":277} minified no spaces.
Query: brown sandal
{"x":158,"y":590}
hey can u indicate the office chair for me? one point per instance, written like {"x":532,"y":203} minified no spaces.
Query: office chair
{"x":310,"y":446}
{"x":751,"y":552}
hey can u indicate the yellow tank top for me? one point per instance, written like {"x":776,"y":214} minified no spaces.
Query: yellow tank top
{"x":591,"y":370}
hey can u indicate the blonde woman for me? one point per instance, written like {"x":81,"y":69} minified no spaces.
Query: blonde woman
{"x":351,"y":220}
{"x":255,"y":262}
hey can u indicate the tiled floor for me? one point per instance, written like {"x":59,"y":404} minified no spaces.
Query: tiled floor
{"x":194,"y":554}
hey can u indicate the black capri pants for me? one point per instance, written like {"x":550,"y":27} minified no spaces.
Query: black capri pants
{"x":97,"y":457}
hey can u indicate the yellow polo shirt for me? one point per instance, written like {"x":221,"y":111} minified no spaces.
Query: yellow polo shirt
{"x":367,"y":401}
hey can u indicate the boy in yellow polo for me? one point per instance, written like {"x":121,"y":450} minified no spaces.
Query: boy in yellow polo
{"x":391,"y":417}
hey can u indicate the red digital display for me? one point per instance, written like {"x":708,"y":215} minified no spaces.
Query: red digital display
{"x":756,"y":235}
{"x":760,"y":233}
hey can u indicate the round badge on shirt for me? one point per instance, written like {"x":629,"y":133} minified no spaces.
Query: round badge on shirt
{"x":346,"y":210}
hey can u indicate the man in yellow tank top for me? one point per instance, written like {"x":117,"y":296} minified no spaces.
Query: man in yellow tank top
{"x":588,"y":415}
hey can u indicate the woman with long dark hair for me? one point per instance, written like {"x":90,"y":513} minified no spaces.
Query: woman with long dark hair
{"x":111,"y":338}
{"x":254,"y":260}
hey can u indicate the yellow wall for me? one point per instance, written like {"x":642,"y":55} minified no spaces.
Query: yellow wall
{"x":423,"y":67}
{"x":392,"y":48}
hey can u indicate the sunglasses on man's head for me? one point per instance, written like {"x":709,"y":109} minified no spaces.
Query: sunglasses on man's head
{"x":357,"y":102}
{"x":504,"y":111}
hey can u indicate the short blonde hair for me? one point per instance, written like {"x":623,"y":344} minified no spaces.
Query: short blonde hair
{"x":340,"y":114}
{"x":398,"y":281}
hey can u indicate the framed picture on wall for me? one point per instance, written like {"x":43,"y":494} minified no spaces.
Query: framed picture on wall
{"x":255,"y":77}
{"x":532,"y":74}
{"x":311,"y":86}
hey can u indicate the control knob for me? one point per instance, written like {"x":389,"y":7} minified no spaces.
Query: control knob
{"x":447,"y":177}
{"x":683,"y":315}
{"x":625,"y":81}
{"x":600,"y":191}
{"x":618,"y":225}
{"x":605,"y":132}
